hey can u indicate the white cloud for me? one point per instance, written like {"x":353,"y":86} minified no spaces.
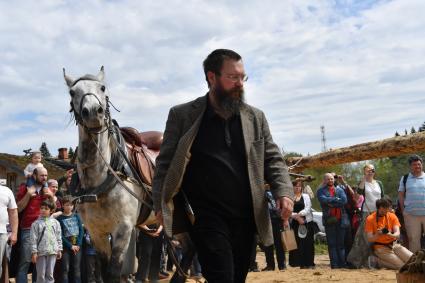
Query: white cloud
{"x":355,"y":67}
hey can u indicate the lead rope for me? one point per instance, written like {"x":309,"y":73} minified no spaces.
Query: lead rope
{"x":167,"y":239}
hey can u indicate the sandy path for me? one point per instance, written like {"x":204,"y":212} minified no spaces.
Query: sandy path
{"x":322,"y":273}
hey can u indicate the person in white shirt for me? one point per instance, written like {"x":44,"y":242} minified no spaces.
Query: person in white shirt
{"x":8,"y":215}
{"x":371,"y":189}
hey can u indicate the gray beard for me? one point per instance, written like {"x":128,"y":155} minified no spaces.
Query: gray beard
{"x":227,"y":103}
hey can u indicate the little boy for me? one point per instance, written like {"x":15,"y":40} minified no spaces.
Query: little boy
{"x":46,"y":242}
{"x":72,"y":237}
{"x":29,"y":169}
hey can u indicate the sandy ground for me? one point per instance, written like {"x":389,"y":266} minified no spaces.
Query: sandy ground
{"x":322,"y":273}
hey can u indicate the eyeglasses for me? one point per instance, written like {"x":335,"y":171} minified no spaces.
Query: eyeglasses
{"x":236,"y":78}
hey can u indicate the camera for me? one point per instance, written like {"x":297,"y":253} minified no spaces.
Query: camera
{"x":385,"y":231}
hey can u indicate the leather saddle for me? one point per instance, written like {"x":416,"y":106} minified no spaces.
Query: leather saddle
{"x":143,"y":148}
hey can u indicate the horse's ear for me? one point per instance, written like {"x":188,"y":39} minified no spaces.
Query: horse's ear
{"x":101,"y":74}
{"x":69,"y":81}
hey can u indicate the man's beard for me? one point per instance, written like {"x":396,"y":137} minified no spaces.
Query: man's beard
{"x":39,"y":182}
{"x":230,"y":101}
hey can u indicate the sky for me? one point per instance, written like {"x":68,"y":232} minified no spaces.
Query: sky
{"x":356,"y":67}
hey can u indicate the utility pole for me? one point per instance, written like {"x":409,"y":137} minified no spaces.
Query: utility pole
{"x":322,"y":130}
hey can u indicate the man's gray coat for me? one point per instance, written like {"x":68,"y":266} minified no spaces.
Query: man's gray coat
{"x":264,"y":161}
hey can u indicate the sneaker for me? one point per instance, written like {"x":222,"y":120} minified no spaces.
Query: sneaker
{"x":267,"y":268}
{"x":162,"y":276}
{"x":164,"y":273}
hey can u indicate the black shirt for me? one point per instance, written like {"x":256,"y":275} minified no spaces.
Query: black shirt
{"x":299,"y":205}
{"x":216,"y":179}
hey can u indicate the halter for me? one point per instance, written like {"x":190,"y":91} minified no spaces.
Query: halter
{"x":78,"y":116}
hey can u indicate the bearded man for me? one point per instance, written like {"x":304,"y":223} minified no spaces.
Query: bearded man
{"x":216,"y":155}
{"x":29,"y":200}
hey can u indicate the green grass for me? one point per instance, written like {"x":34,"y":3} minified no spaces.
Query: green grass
{"x":320,"y":249}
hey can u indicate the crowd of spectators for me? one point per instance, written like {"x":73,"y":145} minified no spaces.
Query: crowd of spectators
{"x":356,"y":218}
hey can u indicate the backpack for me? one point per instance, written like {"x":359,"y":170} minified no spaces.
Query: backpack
{"x":398,"y":212}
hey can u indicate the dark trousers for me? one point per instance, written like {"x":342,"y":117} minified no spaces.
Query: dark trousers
{"x":93,"y":269}
{"x":348,"y":241}
{"x":278,"y":247}
{"x":303,"y":256}
{"x":71,"y":261}
{"x":149,"y":257}
{"x":335,"y":235}
{"x":224,"y":247}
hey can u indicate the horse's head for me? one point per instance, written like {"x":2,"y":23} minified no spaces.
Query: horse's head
{"x":89,"y":101}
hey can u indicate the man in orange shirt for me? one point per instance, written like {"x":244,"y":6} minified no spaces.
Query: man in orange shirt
{"x":383,"y":229}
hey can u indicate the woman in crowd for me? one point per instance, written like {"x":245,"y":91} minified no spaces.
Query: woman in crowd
{"x":371,"y":189}
{"x":303,"y":226}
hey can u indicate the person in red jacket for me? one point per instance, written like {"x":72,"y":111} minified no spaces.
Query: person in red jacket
{"x":29,"y":200}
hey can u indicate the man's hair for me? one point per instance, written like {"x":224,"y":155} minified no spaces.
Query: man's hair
{"x":414,"y":158}
{"x":36,"y":170}
{"x":67,"y":199}
{"x":49,"y":202}
{"x":214,"y":61}
{"x":383,"y":202}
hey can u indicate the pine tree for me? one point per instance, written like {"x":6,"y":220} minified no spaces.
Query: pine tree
{"x":44,"y":150}
{"x":397,"y":134}
{"x":422,"y":128}
{"x":412,"y":130}
{"x":405,"y":132}
{"x":70,"y":152}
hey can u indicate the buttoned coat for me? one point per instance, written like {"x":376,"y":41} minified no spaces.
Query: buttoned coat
{"x":264,"y":163}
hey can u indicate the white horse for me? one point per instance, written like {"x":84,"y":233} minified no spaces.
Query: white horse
{"x":111,"y":219}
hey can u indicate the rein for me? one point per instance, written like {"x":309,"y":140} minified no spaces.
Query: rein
{"x":119,"y":179}
{"x":179,"y":270}
{"x":117,"y":159}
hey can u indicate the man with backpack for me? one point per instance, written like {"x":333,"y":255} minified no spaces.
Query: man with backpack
{"x":411,"y":195}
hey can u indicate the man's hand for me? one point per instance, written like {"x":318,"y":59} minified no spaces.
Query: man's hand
{"x":285,"y":205}
{"x":34,"y":258}
{"x":13,"y":239}
{"x":159,"y":218}
{"x":31,"y":191}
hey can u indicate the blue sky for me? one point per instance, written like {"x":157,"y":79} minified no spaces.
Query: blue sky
{"x":356,"y":67}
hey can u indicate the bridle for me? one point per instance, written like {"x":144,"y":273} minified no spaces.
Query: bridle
{"x":78,"y":115}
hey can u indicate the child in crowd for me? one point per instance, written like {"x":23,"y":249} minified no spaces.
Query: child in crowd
{"x":92,"y":260}
{"x":46,"y":242}
{"x":29,"y":169}
{"x":72,"y":237}
{"x":357,"y":215}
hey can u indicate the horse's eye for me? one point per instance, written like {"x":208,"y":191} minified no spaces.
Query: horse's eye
{"x":102,"y":88}
{"x":71,"y":92}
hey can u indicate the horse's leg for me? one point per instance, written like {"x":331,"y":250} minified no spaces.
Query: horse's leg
{"x":120,"y":242}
